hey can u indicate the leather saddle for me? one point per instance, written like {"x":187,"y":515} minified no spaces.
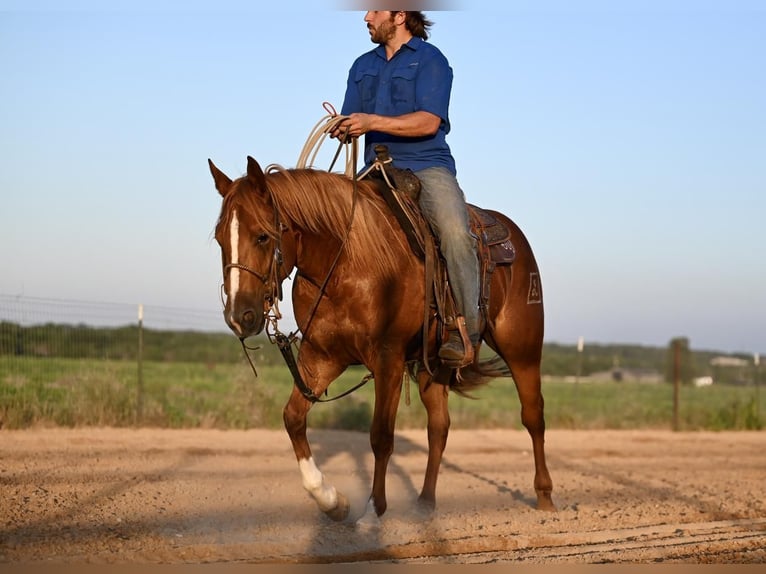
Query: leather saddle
{"x":400,"y":189}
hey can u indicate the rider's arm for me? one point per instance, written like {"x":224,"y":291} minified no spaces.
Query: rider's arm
{"x":414,"y":124}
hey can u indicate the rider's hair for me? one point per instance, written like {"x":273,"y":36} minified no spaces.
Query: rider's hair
{"x":417,"y":24}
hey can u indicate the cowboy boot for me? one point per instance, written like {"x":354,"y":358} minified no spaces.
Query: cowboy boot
{"x":459,"y":349}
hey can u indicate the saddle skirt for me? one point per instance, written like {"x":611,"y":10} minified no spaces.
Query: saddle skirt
{"x":492,"y":235}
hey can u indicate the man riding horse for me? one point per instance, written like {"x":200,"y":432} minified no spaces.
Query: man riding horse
{"x":398,"y":95}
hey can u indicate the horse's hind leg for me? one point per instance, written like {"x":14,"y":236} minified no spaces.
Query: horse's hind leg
{"x":434,"y":397}
{"x":527,"y":378}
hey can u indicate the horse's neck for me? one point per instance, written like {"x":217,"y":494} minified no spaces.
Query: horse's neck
{"x":315,"y":255}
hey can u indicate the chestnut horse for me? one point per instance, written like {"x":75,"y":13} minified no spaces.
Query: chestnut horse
{"x":358,"y":298}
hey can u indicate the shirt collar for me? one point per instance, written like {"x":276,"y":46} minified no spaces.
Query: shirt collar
{"x":413,"y":44}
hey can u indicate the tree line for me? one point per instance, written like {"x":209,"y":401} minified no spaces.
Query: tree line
{"x":122,"y":343}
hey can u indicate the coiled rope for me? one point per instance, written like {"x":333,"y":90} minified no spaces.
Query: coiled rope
{"x":323,"y":128}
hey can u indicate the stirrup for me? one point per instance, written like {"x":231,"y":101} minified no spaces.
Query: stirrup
{"x":451,"y":353}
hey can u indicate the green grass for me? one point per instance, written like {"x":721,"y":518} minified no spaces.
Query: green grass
{"x":636,"y":405}
{"x":73,"y":392}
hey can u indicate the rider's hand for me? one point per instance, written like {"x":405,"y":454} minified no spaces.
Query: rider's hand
{"x":353,"y":126}
{"x":341,"y":132}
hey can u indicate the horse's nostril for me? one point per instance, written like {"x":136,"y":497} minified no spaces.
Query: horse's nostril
{"x":248,"y":317}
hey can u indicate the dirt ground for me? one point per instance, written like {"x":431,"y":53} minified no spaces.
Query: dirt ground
{"x":144,"y":496}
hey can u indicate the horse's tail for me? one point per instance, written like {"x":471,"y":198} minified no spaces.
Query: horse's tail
{"x":479,"y":374}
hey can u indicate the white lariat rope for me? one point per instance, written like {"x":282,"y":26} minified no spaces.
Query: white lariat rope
{"x":316,"y":138}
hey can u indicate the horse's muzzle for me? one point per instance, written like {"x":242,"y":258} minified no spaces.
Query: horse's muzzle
{"x":246,"y":320}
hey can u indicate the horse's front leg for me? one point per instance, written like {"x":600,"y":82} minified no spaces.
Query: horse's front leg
{"x":388,"y":387}
{"x":329,"y":500}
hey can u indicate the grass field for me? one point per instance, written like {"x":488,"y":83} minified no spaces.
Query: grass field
{"x":72,"y":392}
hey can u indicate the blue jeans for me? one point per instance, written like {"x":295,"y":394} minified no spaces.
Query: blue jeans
{"x":443,"y":204}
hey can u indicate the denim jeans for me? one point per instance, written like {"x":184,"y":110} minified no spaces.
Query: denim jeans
{"x":443,"y":204}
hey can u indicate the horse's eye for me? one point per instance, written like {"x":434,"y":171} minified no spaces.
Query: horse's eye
{"x":261,"y":239}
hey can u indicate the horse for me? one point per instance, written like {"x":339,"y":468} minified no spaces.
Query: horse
{"x":359,"y":299}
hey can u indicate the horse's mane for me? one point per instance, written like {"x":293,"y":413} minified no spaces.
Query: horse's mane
{"x":321,"y":202}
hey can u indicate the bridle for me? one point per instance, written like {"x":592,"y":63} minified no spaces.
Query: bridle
{"x":271,"y":278}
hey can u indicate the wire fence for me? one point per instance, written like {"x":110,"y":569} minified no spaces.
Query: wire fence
{"x":85,"y":362}
{"x":35,"y":329}
{"x":81,"y":362}
{"x":28,"y":311}
{"x":39,"y":327}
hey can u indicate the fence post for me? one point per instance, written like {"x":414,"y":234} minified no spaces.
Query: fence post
{"x":676,"y":380}
{"x":140,"y":357}
{"x":756,"y":376}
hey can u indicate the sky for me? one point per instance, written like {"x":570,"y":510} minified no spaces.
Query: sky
{"x":627,"y":139}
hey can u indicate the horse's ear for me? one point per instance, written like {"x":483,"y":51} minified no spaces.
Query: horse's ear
{"x":255,"y":175}
{"x":222,"y":181}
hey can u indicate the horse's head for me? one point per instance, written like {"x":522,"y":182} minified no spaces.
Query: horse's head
{"x":253,"y":242}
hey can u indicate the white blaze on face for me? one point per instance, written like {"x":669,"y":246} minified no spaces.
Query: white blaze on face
{"x":234,"y":243}
{"x":233,"y":271}
{"x":325,"y":496}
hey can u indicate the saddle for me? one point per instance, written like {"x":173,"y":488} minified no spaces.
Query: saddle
{"x":400,"y":189}
{"x":401,"y":193}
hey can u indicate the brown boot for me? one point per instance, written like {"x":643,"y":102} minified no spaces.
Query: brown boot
{"x":458,"y":350}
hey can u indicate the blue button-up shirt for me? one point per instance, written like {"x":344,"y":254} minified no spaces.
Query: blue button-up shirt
{"x":417,"y":78}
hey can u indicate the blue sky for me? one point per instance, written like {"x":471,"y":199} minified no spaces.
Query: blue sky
{"x":627,"y":139}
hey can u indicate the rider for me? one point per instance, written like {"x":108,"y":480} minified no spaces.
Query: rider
{"x":398,"y":95}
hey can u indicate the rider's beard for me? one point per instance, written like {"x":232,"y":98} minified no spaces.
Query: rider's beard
{"x":382,"y":33}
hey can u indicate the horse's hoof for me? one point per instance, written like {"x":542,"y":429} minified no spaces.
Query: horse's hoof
{"x":545,"y":502}
{"x":341,"y":510}
{"x":425,"y":508}
{"x":369,"y":521}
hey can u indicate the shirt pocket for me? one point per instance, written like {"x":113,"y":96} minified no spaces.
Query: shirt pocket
{"x":367,"y":82}
{"x":403,"y":87}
